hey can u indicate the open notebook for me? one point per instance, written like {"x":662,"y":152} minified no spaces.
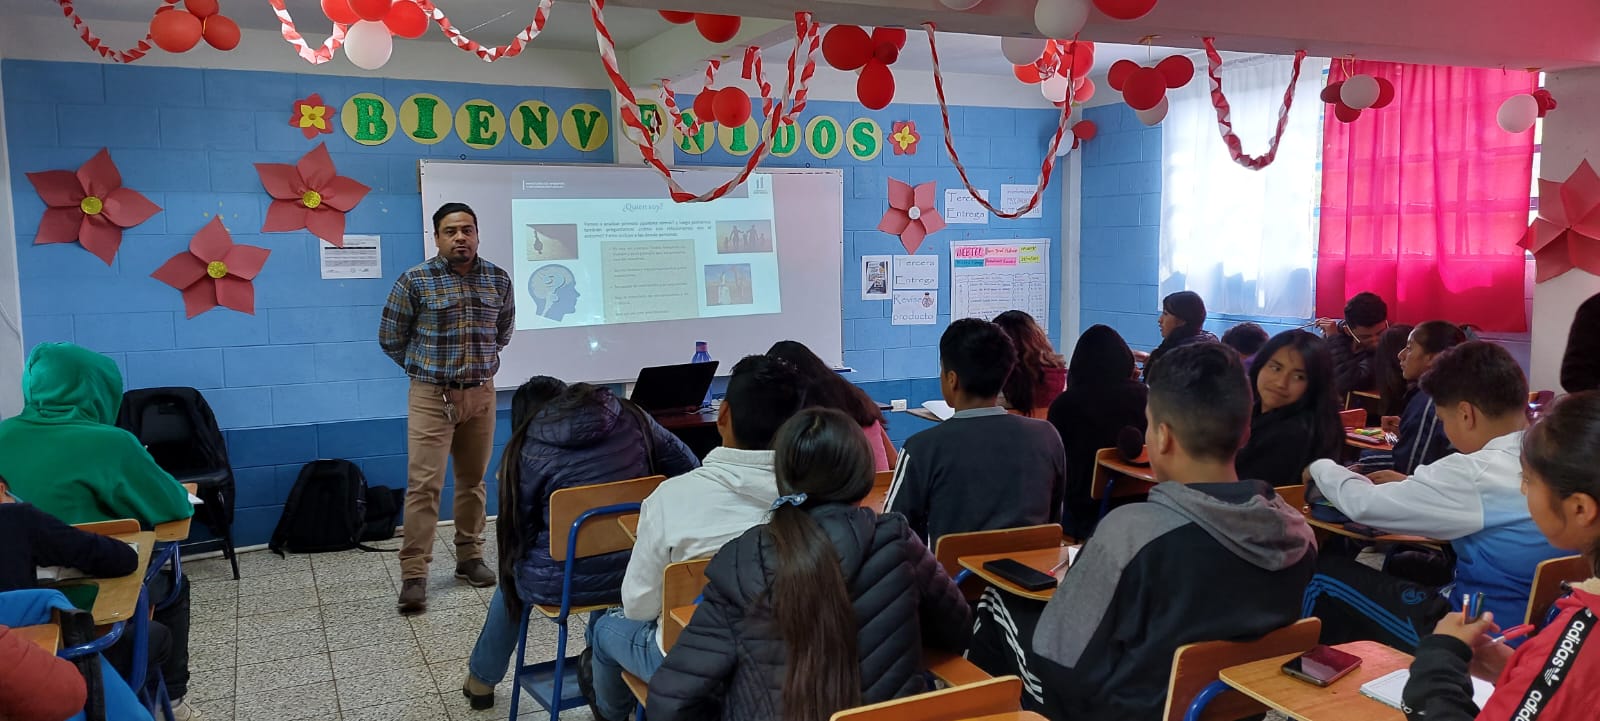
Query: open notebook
{"x":940,"y":409}
{"x":1388,"y":688}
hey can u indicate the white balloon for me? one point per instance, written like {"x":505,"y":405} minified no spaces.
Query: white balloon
{"x":1022,"y":51}
{"x":368,"y":44}
{"x":1061,"y":18}
{"x":1518,"y":113}
{"x":1359,"y":91}
{"x":1055,"y":88}
{"x":1153,"y":115}
{"x":960,"y":4}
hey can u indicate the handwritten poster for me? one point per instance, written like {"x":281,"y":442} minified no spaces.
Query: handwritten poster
{"x":876,"y":277}
{"x":915,"y":307}
{"x":990,"y":277}
{"x":916,"y":272}
{"x":1016,"y":196}
{"x":960,"y":207}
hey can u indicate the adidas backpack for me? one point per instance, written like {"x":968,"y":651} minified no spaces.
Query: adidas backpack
{"x":331,"y":508}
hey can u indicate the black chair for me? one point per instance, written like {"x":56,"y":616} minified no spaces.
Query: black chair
{"x":178,"y":428}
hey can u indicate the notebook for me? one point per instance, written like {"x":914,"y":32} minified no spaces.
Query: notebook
{"x":1388,"y":688}
{"x":940,"y":409}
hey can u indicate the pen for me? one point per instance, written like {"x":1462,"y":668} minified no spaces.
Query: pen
{"x":1466,"y":608}
{"x":1063,"y":564}
{"x":1513,"y":633}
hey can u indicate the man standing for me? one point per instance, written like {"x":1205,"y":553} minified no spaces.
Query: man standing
{"x":445,"y":323}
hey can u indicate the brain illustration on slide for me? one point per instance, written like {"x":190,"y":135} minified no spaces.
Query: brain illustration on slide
{"x":554,"y":292}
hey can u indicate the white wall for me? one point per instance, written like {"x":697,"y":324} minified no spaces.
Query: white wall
{"x":10,"y":298}
{"x":1570,"y":136}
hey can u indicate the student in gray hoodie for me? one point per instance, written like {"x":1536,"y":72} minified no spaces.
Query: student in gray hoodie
{"x":1160,"y":574}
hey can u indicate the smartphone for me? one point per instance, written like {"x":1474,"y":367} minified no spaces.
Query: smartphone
{"x":1023,"y":576}
{"x":1322,"y":665}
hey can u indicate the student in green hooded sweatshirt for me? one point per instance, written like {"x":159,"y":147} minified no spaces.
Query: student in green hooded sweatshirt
{"x":64,"y":454}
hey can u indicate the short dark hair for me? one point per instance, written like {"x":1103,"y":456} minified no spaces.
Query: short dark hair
{"x":1437,"y":335}
{"x":979,"y":353}
{"x":448,"y":208}
{"x":763,"y":392}
{"x":1201,"y":392}
{"x":1246,"y":337}
{"x":1477,"y":372}
{"x":1365,"y":309}
{"x":1560,"y":450}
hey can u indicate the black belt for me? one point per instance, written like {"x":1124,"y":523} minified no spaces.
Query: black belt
{"x":453,"y":385}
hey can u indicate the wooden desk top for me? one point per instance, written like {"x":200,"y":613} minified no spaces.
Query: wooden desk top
{"x":671,"y":421}
{"x":45,"y":635}
{"x":174,"y":530}
{"x":1266,"y":682}
{"x":924,"y":414}
{"x":1041,"y":560}
{"x":1130,"y":470}
{"x":1009,"y":716}
{"x":682,"y":614}
{"x":1356,"y":440}
{"x":630,"y":525}
{"x":1340,"y":530}
{"x":117,"y":598}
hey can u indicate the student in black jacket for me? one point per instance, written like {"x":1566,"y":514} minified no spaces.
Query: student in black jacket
{"x":1353,"y":342}
{"x":1182,"y":321}
{"x":1580,"y":364}
{"x":32,"y":539}
{"x":1101,"y":399}
{"x":1296,"y":416}
{"x":825,"y":607}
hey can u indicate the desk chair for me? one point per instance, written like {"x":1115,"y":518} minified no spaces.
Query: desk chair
{"x":1103,"y":484}
{"x":950,"y":547}
{"x":993,"y":696}
{"x":681,"y":584}
{"x":878,"y":498}
{"x":176,"y":425}
{"x":1194,"y":684}
{"x":574,"y":509}
{"x":1548,"y":578}
{"x":1353,"y":418}
{"x":1295,"y":496}
{"x":1369,"y":402}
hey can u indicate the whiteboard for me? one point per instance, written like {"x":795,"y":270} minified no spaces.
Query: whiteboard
{"x":808,"y":220}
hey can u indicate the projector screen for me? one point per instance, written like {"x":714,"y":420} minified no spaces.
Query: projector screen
{"x":612,"y":276}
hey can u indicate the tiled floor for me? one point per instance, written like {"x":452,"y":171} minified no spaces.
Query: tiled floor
{"x":317,"y":637}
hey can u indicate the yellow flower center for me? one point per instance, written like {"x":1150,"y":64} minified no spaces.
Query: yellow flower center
{"x":216,"y":269}
{"x":91,"y":205}
{"x":311,"y":116}
{"x":312,"y":199}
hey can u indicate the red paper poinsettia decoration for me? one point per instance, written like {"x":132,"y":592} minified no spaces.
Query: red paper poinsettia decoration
{"x":904,"y":137}
{"x":309,"y":194}
{"x":911,"y":214}
{"x":214,"y":271}
{"x":312,"y":116}
{"x":90,"y":206}
{"x":1566,"y":235}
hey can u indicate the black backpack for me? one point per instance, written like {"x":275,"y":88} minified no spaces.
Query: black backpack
{"x":331,"y":508}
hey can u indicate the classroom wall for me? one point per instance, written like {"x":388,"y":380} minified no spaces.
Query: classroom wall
{"x":1569,"y":138}
{"x":10,"y":292}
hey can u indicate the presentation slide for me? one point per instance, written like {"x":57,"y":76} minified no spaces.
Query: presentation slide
{"x":584,"y":259}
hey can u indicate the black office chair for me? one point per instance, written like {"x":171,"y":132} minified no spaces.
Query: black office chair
{"x":177,"y":427}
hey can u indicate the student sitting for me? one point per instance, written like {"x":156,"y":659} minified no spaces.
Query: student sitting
{"x":1040,"y":374}
{"x":826,"y":607}
{"x":1420,"y":438}
{"x":35,"y":685}
{"x":1555,"y":675}
{"x":1472,"y":499}
{"x":564,"y":437}
{"x":984,"y":468}
{"x":1101,"y":399}
{"x":1209,"y":557}
{"x":825,"y":388}
{"x":1296,"y":416}
{"x":1352,"y":342}
{"x":690,"y":517}
{"x":1247,"y":338}
{"x":1182,"y":321}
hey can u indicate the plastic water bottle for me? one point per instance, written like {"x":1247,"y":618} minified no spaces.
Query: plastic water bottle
{"x":702,"y":355}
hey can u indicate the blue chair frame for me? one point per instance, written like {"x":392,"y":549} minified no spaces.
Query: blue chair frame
{"x":1203,"y":699}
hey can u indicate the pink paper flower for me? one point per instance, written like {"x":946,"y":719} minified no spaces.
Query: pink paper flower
{"x":309,"y":194}
{"x":214,"y":271}
{"x":1566,"y":234}
{"x":911,"y":214}
{"x":90,"y":206}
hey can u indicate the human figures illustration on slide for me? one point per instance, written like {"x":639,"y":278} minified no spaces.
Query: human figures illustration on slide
{"x":554,"y":291}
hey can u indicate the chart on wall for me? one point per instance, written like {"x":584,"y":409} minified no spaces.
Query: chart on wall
{"x":990,"y":277}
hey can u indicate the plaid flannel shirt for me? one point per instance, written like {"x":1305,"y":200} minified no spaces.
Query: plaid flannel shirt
{"x":442,"y":327}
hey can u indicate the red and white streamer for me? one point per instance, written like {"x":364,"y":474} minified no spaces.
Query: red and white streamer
{"x":1224,"y":124}
{"x":1045,"y":168}
{"x":807,"y":33}
{"x":315,"y":56}
{"x":670,"y":100}
{"x":541,"y":15}
{"x":96,"y":44}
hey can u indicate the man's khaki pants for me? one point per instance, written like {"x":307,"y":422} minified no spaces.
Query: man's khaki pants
{"x":433,"y":437}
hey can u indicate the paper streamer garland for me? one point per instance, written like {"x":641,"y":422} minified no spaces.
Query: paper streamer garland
{"x":320,"y":55}
{"x":1220,"y":102}
{"x":315,"y":56}
{"x":670,"y":100}
{"x":949,"y":144}
{"x":96,"y":44}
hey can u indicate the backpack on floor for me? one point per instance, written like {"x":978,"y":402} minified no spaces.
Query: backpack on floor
{"x":328,"y":510}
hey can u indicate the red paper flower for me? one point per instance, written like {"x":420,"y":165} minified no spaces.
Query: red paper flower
{"x":904,"y":137}
{"x":311,"y":116}
{"x":309,"y":194}
{"x":214,"y":271}
{"x":1566,"y":234}
{"x":89,"y":206}
{"x":911,"y":214}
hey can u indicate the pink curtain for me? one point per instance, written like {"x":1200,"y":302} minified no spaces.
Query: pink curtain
{"x":1423,"y":201}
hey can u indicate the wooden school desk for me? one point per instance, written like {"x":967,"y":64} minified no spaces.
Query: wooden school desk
{"x":45,"y":635}
{"x":630,"y":525}
{"x":1128,"y":470}
{"x":1266,"y":682}
{"x":698,"y":431}
{"x":1041,"y":560}
{"x":1339,"y":530}
{"x":115,"y":598}
{"x":1356,"y":440}
{"x":1009,"y":716}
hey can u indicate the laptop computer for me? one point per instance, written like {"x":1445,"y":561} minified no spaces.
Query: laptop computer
{"x":673,"y":389}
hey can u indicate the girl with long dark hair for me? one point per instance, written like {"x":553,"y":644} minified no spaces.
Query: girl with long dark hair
{"x":1101,"y":399}
{"x":1039,"y":375}
{"x":825,"y":388}
{"x":1392,"y":384}
{"x":1419,"y":436}
{"x":825,"y":607}
{"x":1296,"y":416}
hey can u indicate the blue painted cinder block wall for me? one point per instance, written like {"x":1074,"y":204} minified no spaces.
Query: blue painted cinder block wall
{"x":303,"y":378}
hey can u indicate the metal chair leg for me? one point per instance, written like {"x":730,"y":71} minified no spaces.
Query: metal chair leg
{"x":1197,"y":707}
{"x":522,"y":654}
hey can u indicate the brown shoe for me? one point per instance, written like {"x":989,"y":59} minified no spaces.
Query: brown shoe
{"x":413,"y":596}
{"x":475,"y":572}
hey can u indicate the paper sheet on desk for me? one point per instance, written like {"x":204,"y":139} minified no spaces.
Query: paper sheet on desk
{"x":940,"y":409}
{"x":1388,"y":688}
{"x":194,"y":500}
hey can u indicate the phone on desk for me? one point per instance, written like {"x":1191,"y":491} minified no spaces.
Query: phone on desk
{"x":1322,"y":665}
{"x":1025,"y":577}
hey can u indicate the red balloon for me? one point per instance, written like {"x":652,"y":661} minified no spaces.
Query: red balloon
{"x":716,"y":28}
{"x":1386,"y":94}
{"x":1077,"y":59}
{"x":1330,"y":94}
{"x":220,"y":32}
{"x":885,"y":53}
{"x":1144,"y":89}
{"x":875,"y":87}
{"x":846,"y":47}
{"x":1084,"y":92}
{"x":1085,"y":130}
{"x":1120,"y":71}
{"x":705,"y":109}
{"x":175,"y":31}
{"x":676,"y":17}
{"x":1027,"y":74}
{"x":731,"y":107}
{"x":339,"y":11}
{"x":407,"y":19}
{"x":373,"y":10}
{"x":1345,"y":113}
{"x":1177,"y":69}
{"x":1125,"y":9}
{"x":892,"y":36}
{"x":201,"y":8}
